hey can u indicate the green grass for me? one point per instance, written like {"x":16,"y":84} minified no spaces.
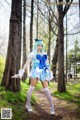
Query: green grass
{"x":51,"y":85}
{"x":16,"y":100}
{"x":72,"y":94}
{"x":38,"y":86}
{"x":2,"y":63}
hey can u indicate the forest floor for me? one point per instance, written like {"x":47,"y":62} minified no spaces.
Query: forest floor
{"x":64,"y":110}
{"x":67,"y":104}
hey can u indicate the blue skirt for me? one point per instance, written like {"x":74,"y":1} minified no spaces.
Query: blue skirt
{"x":41,"y":74}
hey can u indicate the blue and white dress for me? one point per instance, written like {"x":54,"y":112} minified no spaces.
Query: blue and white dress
{"x":40,"y":67}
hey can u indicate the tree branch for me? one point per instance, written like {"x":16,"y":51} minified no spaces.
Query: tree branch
{"x":67,"y":6}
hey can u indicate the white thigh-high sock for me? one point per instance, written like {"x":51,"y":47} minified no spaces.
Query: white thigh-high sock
{"x":29,"y":93}
{"x":48,"y":95}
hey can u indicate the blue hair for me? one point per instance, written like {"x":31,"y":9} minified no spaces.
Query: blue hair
{"x":38,"y":42}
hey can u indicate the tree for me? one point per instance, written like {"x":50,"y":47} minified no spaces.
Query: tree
{"x":31,"y":28}
{"x":24,"y":37}
{"x":62,"y":10}
{"x":74,"y":57}
{"x":54,"y":59}
{"x":13,"y":58}
{"x":61,"y":81}
{"x":49,"y":41}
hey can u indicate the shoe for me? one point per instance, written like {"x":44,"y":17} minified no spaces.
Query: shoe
{"x":29,"y":109}
{"x":52,"y":112}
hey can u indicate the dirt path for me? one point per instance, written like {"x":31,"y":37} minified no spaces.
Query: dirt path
{"x":41,"y":110}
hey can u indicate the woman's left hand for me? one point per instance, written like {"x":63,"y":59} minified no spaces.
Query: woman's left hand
{"x":15,"y":76}
{"x":19,"y":75}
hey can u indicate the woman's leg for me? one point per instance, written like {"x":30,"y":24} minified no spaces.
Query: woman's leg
{"x":29,"y":93}
{"x":48,"y":95}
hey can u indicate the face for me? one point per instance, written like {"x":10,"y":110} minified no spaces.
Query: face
{"x":39,"y":48}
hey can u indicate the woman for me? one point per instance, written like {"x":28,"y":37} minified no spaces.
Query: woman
{"x":40,"y":71}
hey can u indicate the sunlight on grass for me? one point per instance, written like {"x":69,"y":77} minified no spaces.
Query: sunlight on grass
{"x":72,"y":94}
{"x":2,"y":63}
{"x":51,"y":85}
{"x":38,"y":86}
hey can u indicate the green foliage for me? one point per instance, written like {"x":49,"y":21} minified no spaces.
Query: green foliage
{"x":38,"y":86}
{"x":74,"y":58}
{"x":16,"y":100}
{"x":78,"y":68}
{"x":2,"y":63}
{"x":74,"y":54}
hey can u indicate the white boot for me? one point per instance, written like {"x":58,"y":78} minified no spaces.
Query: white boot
{"x":52,"y":111}
{"x":29,"y":109}
{"x":29,"y":93}
{"x":48,"y":95}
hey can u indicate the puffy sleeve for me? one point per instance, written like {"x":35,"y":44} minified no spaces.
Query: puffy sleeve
{"x":31,"y":56}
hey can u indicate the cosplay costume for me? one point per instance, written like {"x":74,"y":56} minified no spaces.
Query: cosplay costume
{"x":40,"y":66}
{"x":40,"y":69}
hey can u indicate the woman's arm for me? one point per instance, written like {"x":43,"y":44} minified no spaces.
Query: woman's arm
{"x":26,"y":64}
{"x":21,"y":71}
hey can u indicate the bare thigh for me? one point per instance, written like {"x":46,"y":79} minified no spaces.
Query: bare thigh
{"x":34,"y":82}
{"x":44,"y":84}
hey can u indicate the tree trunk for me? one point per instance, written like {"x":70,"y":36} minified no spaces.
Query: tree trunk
{"x":24,"y":37}
{"x":14,"y":46}
{"x":79,"y":11}
{"x":19,"y":13}
{"x":62,"y":10}
{"x":31,"y":29}
{"x":31,"y":26}
{"x":54,"y":60}
{"x":37,"y":19}
{"x":49,"y":41}
{"x":61,"y":80}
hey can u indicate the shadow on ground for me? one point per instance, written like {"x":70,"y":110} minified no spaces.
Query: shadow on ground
{"x":39,"y":114}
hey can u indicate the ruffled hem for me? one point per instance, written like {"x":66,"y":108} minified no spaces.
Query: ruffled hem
{"x":41,"y":74}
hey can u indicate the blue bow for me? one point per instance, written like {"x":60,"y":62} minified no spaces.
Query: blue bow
{"x":42,"y":60}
